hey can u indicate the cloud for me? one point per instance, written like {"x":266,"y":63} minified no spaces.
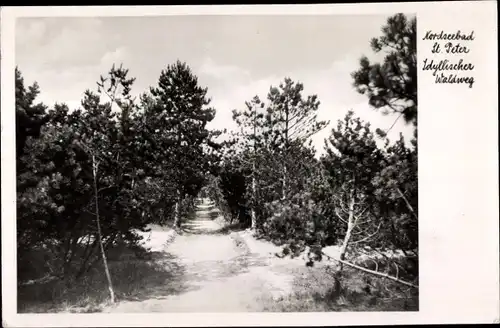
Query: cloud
{"x":67,"y":55}
{"x":68,"y":84}
{"x":229,"y":96}
{"x":59,"y":42}
{"x":332,"y":85}
{"x":31,"y":32}
{"x":223,"y":73}
{"x":116,"y":57}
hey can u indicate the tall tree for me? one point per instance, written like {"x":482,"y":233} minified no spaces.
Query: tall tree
{"x":30,"y":116}
{"x":251,"y":124}
{"x":127,"y":146}
{"x":392,"y":85}
{"x":182,"y":113}
{"x":273,"y":138}
{"x":293,"y":119}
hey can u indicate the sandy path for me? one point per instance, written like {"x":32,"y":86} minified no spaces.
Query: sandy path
{"x":217,"y":276}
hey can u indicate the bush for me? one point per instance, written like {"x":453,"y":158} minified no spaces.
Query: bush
{"x":297,"y":222}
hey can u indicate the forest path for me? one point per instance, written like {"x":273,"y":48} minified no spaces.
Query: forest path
{"x":214,"y":272}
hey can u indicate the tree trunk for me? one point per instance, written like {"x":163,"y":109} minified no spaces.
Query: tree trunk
{"x":252,"y":212}
{"x":99,"y":233}
{"x":284,"y":183}
{"x":177,"y":214}
{"x":350,"y":227}
{"x":254,"y":183}
{"x":86,"y":258}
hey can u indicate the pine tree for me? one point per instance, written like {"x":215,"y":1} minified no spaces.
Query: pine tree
{"x":392,"y":85}
{"x":30,"y":116}
{"x":397,"y":194}
{"x":251,"y":124}
{"x":291,"y":120}
{"x":127,"y":146}
{"x":99,"y":130}
{"x":181,"y":110}
{"x":352,"y":160}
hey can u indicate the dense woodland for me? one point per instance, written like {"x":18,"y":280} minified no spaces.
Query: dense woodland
{"x":89,"y":177}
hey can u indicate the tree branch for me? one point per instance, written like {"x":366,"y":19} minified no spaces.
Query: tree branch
{"x":376,"y":273}
{"x":336,"y":212}
{"x":368,"y":237}
{"x":407,"y":203}
{"x":397,"y":118}
{"x":43,"y":280}
{"x":359,"y":215}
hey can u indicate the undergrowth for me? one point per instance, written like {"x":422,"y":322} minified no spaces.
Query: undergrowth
{"x":315,"y":290}
{"x":132,"y":278}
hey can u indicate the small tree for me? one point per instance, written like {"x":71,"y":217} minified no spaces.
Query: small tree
{"x":98,"y":126}
{"x":397,"y":194}
{"x":367,"y":199}
{"x":352,"y":160}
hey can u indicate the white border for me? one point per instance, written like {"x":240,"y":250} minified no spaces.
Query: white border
{"x":458,"y":176}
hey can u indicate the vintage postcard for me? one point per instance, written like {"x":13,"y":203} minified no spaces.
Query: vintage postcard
{"x":332,"y":164}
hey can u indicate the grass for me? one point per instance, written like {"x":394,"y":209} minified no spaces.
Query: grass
{"x":314,"y":290}
{"x":132,"y":278}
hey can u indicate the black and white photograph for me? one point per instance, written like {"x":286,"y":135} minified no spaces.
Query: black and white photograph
{"x":218,"y":163}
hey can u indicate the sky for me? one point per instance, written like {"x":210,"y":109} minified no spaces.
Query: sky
{"x":235,"y":57}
